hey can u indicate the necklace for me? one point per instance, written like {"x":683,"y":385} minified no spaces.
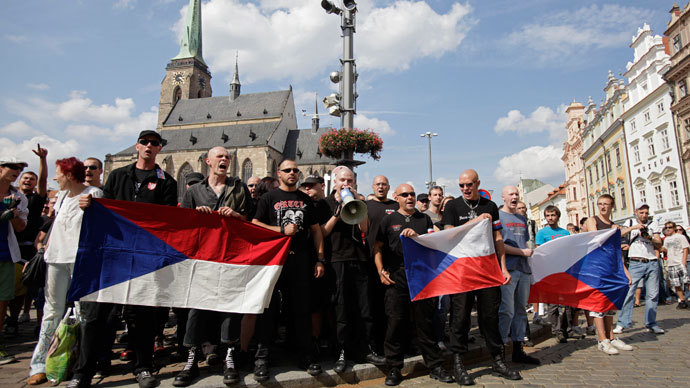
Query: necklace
{"x":472,"y":214}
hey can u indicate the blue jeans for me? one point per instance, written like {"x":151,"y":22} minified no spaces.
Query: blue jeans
{"x":649,"y":274}
{"x":512,"y":317}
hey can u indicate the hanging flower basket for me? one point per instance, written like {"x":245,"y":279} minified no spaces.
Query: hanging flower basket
{"x":339,"y":142}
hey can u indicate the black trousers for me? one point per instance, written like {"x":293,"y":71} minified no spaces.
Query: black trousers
{"x":352,"y":302}
{"x":397,"y":306}
{"x":559,"y":317}
{"x":205,"y":325}
{"x":488,"y":302}
{"x":143,"y":323}
{"x":98,"y":328}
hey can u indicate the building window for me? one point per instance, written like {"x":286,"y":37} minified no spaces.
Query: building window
{"x":650,"y":146}
{"x":677,"y":44}
{"x":687,"y":125}
{"x":596,"y":170}
{"x":246,"y":170}
{"x":660,"y":107}
{"x":589,"y":170}
{"x":618,"y":156}
{"x":682,"y":89}
{"x":622,"y":201}
{"x":177,"y":95}
{"x":636,"y":153}
{"x":608,"y":162}
{"x":643,"y":195}
{"x":574,"y":192}
{"x":659,"y":197}
{"x":632,"y":125}
{"x":675,"y":199}
{"x":647,"y":117}
{"x":665,"y":144}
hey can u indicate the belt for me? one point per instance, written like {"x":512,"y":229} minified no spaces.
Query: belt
{"x":642,"y":260}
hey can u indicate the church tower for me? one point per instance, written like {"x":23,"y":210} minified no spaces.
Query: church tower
{"x":187,"y":75}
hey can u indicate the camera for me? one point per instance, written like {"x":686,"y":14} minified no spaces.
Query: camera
{"x":644,"y":233}
{"x":10,"y":203}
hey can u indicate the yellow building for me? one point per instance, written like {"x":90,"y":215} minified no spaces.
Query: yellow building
{"x":605,"y":157}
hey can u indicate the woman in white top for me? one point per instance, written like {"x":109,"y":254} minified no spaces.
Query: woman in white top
{"x":60,"y":255}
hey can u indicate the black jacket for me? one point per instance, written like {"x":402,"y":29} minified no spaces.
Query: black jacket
{"x":121,"y":185}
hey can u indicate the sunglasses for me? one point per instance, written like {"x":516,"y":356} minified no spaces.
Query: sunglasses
{"x":252,"y":185}
{"x":405,"y":195}
{"x":154,"y":143}
{"x":14,"y":166}
{"x":669,"y":227}
{"x":92,"y":167}
{"x":289,"y":170}
{"x":469,"y":185}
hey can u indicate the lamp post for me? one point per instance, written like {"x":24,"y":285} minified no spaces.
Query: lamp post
{"x":429,"y":135}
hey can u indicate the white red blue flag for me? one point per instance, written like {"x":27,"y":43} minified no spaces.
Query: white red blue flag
{"x":584,"y":270}
{"x":452,"y":261}
{"x":153,"y":255}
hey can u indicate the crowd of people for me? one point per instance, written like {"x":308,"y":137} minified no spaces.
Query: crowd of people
{"x":343,"y":287}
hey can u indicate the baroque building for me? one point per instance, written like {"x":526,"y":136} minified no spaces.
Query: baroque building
{"x":604,"y":156}
{"x":677,"y":74}
{"x":651,"y":143}
{"x":258,"y":129}
{"x":573,"y":147}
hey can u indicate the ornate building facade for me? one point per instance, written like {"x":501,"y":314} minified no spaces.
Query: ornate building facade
{"x":573,"y":147}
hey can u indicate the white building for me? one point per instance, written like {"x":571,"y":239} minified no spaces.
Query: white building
{"x":653,"y":158}
{"x":557,"y":197}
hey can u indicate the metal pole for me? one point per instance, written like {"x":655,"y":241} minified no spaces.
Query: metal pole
{"x":431,"y":179}
{"x":348,"y":106}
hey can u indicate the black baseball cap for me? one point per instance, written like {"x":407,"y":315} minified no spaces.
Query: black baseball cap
{"x":149,"y":132}
{"x":423,"y":197}
{"x":312,"y":180}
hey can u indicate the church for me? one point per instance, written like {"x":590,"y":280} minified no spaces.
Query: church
{"x":258,"y":129}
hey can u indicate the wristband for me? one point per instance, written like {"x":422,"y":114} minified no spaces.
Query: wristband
{"x":282,"y":228}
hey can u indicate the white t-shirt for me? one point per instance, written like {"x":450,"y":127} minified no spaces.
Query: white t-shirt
{"x":64,"y":237}
{"x":642,"y":247}
{"x":675,"y":244}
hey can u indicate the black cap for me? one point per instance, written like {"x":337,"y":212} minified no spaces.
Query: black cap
{"x":312,"y":179}
{"x":149,"y":132}
{"x":194,"y":177}
{"x":423,"y":197}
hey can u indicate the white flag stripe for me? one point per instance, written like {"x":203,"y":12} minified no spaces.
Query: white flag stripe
{"x":558,"y":255}
{"x":198,"y":284}
{"x":469,"y":240}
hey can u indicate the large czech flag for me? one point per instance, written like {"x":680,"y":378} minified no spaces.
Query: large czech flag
{"x":153,"y":255}
{"x":583,"y":270}
{"x":452,"y":261}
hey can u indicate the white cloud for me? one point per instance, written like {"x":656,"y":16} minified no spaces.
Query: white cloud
{"x":296,"y":39}
{"x":18,"y":129}
{"x":542,"y":119}
{"x":57,"y":149}
{"x":380,"y":126}
{"x":536,"y":162}
{"x":38,"y":86}
{"x":563,"y":35}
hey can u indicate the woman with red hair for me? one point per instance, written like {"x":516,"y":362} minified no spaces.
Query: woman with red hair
{"x":60,"y":255}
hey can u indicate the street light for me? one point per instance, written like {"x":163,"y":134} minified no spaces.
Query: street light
{"x":429,"y":135}
{"x":347,"y":75}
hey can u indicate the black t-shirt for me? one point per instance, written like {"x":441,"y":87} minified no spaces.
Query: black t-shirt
{"x":33,"y":221}
{"x":279,"y":208}
{"x":389,"y":234}
{"x":377,"y":211}
{"x":346,"y":240}
{"x":457,"y":212}
{"x":141,"y":175}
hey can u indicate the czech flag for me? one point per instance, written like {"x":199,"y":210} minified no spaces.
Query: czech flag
{"x":584,"y":270}
{"x":452,"y":261}
{"x":153,"y":255}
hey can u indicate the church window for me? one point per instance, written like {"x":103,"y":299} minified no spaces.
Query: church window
{"x":177,"y":95}
{"x":182,"y":179}
{"x":246,"y":170}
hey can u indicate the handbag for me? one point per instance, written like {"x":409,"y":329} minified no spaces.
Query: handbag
{"x":34,"y":275}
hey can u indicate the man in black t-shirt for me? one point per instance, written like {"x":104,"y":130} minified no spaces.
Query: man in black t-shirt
{"x":470,"y":207}
{"x":291,"y":212}
{"x":388,"y":256}
{"x":350,"y":261}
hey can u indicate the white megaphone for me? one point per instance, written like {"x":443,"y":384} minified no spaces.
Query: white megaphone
{"x":353,"y":210}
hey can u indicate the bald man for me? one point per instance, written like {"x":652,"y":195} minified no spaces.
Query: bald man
{"x":231,"y":198}
{"x":512,"y":317}
{"x":388,"y":256}
{"x":470,"y":207}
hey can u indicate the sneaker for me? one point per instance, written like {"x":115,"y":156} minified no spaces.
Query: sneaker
{"x":24,"y":318}
{"x":577,"y":332}
{"x":146,"y":379}
{"x":591,"y":330}
{"x":655,"y":330}
{"x":6,"y":358}
{"x":606,"y":347}
{"x":618,"y":329}
{"x":620,"y":345}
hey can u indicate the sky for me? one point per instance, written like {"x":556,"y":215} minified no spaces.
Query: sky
{"x":491,"y":78}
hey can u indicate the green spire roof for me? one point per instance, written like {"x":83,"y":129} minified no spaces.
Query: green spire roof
{"x":190,"y":45}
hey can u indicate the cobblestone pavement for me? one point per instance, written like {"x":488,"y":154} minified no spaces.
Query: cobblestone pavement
{"x":656,"y":361}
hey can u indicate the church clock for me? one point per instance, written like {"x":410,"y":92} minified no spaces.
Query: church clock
{"x":178,"y":78}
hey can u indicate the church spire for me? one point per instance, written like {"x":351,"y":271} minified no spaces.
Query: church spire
{"x":235,"y":84}
{"x":190,"y":45}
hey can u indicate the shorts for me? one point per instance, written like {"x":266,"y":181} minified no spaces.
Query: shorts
{"x":595,"y":314}
{"x":6,"y":281}
{"x":677,"y":276}
{"x":19,"y":287}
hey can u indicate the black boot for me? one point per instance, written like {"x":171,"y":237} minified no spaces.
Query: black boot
{"x":520,"y":356}
{"x":190,"y":370}
{"x":501,"y":368}
{"x":230,"y":375}
{"x":394,"y":377}
{"x":440,"y":374}
{"x":341,"y":363}
{"x":461,"y":375}
{"x":373,"y":358}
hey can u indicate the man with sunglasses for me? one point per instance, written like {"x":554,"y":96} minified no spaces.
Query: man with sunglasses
{"x":94,"y":170}
{"x":291,"y":212}
{"x":470,"y":207}
{"x":142,"y":181}
{"x":388,"y":257}
{"x":676,"y":247}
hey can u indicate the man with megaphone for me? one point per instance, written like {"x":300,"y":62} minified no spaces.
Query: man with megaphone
{"x":349,"y":259}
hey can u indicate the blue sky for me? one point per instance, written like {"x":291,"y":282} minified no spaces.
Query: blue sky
{"x":490,"y":77}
